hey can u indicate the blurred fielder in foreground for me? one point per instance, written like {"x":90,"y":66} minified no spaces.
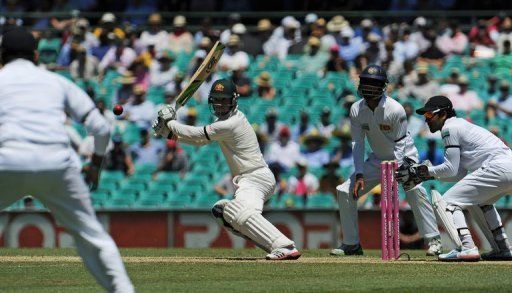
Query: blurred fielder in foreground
{"x":383,"y":122}
{"x":36,"y":157}
{"x":254,"y":180}
{"x":469,"y":148}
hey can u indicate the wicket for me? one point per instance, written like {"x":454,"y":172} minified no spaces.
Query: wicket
{"x":389,"y":208}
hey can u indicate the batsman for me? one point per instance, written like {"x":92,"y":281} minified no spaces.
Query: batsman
{"x":382,"y":122}
{"x":254,"y":180}
{"x":481,"y":164}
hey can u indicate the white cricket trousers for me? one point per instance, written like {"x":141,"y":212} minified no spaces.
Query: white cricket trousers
{"x":416,"y":197}
{"x":65,"y":193}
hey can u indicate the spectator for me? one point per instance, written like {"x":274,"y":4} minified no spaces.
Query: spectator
{"x":414,"y":124}
{"x":139,"y":110}
{"x":249,"y":43}
{"x":225,"y":187}
{"x":180,"y":39}
{"x":491,"y":88}
{"x":350,"y":48}
{"x":505,"y":34}
{"x":326,"y":127}
{"x":315,"y":155}
{"x":119,"y":57}
{"x":106,"y":42}
{"x":242,"y":82}
{"x":480,"y":34}
{"x":264,"y":29}
{"x":405,"y":48}
{"x":320,"y":32}
{"x":108,"y":25}
{"x":419,"y":37}
{"x":504,"y":100}
{"x":154,"y":35}
{"x":433,"y":154}
{"x":284,"y":151}
{"x":162,"y":72}
{"x":432,"y":54}
{"x":281,"y":185}
{"x":313,"y":60}
{"x":335,"y":25}
{"x":422,"y":88}
{"x":452,"y":41}
{"x":303,"y":127}
{"x":125,"y":92}
{"x":265,"y":88}
{"x":140,"y":72}
{"x":234,"y":58}
{"x":329,"y":180}
{"x":191,"y":117}
{"x":148,"y":151}
{"x":118,"y":159}
{"x":366,"y":29}
{"x":335,"y":63}
{"x":205,"y":31}
{"x":343,"y":153}
{"x":465,"y":100}
{"x":174,"y":159}
{"x":85,"y":66}
{"x":304,"y":183}
{"x":375,"y":49}
{"x":233,"y":19}
{"x":283,"y":38}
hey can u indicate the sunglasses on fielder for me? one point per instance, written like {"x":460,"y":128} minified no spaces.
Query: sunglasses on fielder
{"x":431,"y":114}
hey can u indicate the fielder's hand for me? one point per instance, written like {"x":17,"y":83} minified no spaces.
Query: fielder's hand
{"x":92,"y":172}
{"x":358,"y":185}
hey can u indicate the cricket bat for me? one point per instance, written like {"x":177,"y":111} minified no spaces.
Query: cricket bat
{"x":204,"y":70}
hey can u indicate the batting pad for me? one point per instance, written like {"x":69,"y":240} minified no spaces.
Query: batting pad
{"x":445,"y":217}
{"x":252,"y":224}
{"x":477,"y":214}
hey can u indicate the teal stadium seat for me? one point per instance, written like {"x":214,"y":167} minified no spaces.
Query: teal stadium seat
{"x":324,"y":201}
{"x":291,"y":201}
{"x":205,"y":201}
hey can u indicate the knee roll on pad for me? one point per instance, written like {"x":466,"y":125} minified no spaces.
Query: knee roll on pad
{"x":444,"y":213}
{"x":252,"y":224}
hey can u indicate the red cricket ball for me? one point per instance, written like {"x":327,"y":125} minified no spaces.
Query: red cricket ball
{"x":118,"y":109}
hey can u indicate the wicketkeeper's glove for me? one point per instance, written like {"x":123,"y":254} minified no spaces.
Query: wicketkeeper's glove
{"x":166,"y":114}
{"x":410,"y":173}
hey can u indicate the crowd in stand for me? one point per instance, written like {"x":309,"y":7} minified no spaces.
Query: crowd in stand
{"x":423,"y":58}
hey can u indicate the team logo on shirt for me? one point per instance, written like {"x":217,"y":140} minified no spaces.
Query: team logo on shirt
{"x":219,"y":87}
{"x":445,"y":133}
{"x":385,"y":127}
{"x":365,"y":126}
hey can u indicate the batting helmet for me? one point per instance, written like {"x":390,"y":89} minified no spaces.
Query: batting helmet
{"x":372,"y":82}
{"x":223,"y":98}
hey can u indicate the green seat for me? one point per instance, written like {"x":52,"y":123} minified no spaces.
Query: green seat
{"x":107,"y":186}
{"x":140,"y":178}
{"x":291,"y":201}
{"x":119,"y":203}
{"x":137,"y":186}
{"x":320,"y":201}
{"x":161,"y":187}
{"x":178,"y":201}
{"x":145,"y":168}
{"x":112,"y":176}
{"x":206,"y":201}
{"x":127,"y":194}
{"x":191,"y":190}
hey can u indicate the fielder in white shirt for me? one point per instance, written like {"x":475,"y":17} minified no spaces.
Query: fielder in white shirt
{"x":254,"y":181}
{"x":383,"y":122}
{"x":36,"y":157}
{"x":483,"y":164}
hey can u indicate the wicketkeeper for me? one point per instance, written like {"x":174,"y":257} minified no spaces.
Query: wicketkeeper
{"x":382,"y":121}
{"x":254,"y":180}
{"x":482,"y":165}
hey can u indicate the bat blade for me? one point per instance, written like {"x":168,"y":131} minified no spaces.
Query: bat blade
{"x":204,"y":70}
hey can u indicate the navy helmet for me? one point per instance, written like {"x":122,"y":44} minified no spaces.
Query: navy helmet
{"x":372,"y":82}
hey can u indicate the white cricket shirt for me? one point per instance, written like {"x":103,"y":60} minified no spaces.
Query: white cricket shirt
{"x":476,"y":146}
{"x":33,"y":107}
{"x":235,"y":136}
{"x":386,"y":131}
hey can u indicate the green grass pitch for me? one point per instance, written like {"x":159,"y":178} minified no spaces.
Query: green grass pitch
{"x":221,"y":270}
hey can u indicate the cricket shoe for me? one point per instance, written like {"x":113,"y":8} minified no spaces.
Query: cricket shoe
{"x":284,"y":253}
{"x":497,"y":255}
{"x":346,"y":249}
{"x":434,"y":247}
{"x":461,"y":255}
